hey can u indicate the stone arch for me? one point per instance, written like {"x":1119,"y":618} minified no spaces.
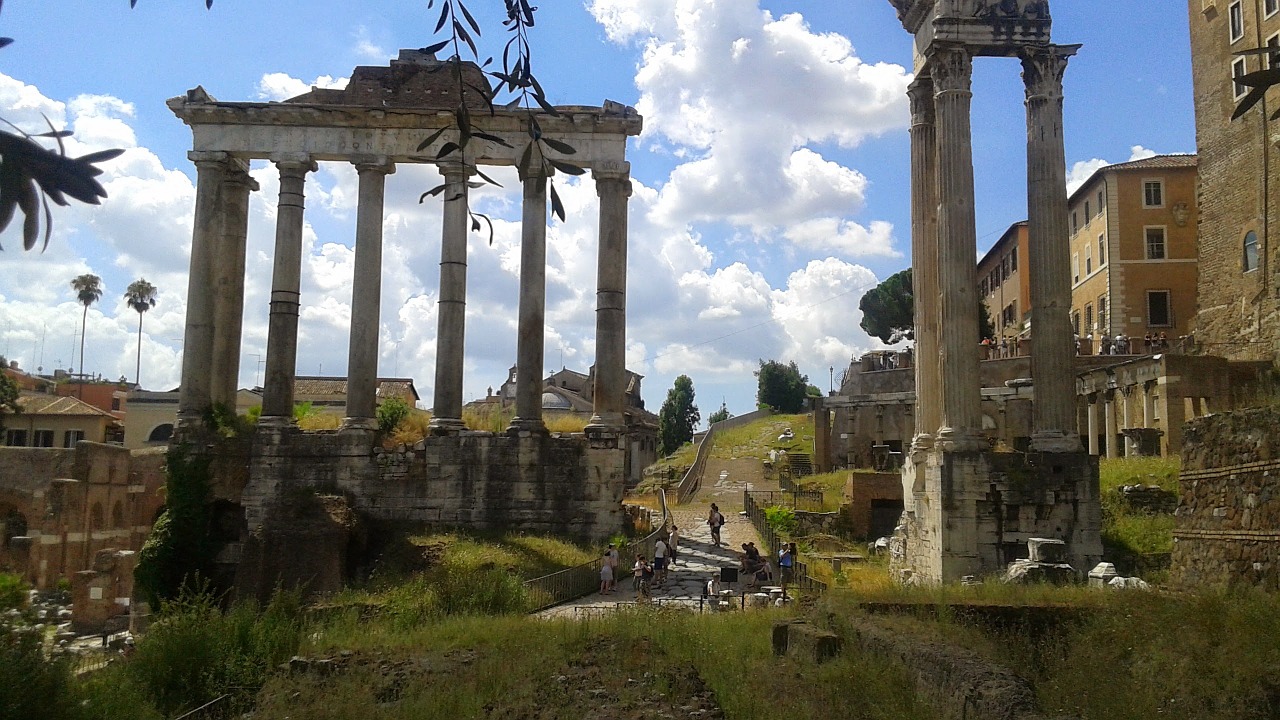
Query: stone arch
{"x":96,"y":517}
{"x":161,"y":433}
{"x":12,"y":524}
{"x":117,"y":515}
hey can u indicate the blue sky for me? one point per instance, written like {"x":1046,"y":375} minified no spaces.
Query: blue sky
{"x":772,"y":184}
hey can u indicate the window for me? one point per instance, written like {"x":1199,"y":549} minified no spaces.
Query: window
{"x":1102,"y":312}
{"x":982,"y":287}
{"x":1159,"y":309}
{"x":1250,"y":251}
{"x":1004,"y":269}
{"x":1075,"y":268}
{"x":1269,"y":7}
{"x":1087,"y":214}
{"x":42,"y":438}
{"x":71,"y":437}
{"x":1075,"y":323}
{"x":1239,"y":67}
{"x":1088,"y":317}
{"x":1009,"y":315}
{"x":1102,"y":250}
{"x":1088,"y":260}
{"x":1155,"y":243}
{"x":1075,"y":222}
{"x":115,"y":404}
{"x":1273,"y":42}
{"x":15,"y":438}
{"x":1101,"y":203}
{"x":1013,"y":259}
{"x":1153,"y":194}
{"x":1235,"y":20}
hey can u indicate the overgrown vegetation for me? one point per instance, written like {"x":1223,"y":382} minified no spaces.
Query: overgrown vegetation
{"x":179,"y":548}
{"x":782,"y":520}
{"x":13,"y":592}
{"x":1137,"y":542}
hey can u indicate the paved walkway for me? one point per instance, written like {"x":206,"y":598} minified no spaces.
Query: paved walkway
{"x":697,"y":559}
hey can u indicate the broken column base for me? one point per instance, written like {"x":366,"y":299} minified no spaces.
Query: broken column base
{"x":973,"y":513}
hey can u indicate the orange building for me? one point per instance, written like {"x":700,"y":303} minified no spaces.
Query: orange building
{"x":1003,"y":286}
{"x":1134,"y":253}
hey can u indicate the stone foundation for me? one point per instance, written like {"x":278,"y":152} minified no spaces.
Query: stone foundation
{"x":973,"y":513}
{"x":1228,"y":518}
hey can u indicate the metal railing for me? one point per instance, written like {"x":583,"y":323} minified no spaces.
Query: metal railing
{"x":800,"y":500}
{"x":581,"y":580}
{"x":754,"y":502}
{"x":691,"y":482}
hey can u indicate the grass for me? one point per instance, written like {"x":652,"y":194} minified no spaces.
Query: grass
{"x":757,"y":438}
{"x":1162,"y":471}
{"x":1137,"y":542}
{"x":521,"y":555}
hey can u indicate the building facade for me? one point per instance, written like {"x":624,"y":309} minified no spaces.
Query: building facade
{"x":1239,"y":313}
{"x":1004,"y":286}
{"x":1133,"y":255}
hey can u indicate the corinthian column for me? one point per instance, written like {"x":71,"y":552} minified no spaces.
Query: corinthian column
{"x":613,"y":185}
{"x":951,"y":67}
{"x":228,"y":299}
{"x":366,"y":297}
{"x":286,"y":283}
{"x":1052,"y":356}
{"x":533,"y":300}
{"x":197,"y":344}
{"x":924,"y":259}
{"x":452,"y":314}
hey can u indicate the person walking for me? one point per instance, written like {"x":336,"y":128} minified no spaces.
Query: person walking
{"x":615,"y":561}
{"x":661,"y":555}
{"x":606,"y":574}
{"x":640,"y":574}
{"x":673,"y":542}
{"x":715,"y":521}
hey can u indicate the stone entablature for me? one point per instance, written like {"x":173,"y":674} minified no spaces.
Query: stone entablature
{"x":986,"y":27}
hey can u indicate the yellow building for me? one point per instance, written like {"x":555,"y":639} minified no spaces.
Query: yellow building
{"x":1004,"y":288}
{"x":1134,"y":255}
{"x":50,"y":421}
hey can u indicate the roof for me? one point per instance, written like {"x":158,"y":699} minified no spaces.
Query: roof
{"x":999,"y":244}
{"x":41,"y":404}
{"x":313,"y":385}
{"x":1178,"y":161}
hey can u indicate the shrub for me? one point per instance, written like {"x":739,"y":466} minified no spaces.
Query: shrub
{"x":391,"y":413}
{"x":179,"y":547}
{"x":13,"y":592}
{"x":30,"y":685}
{"x":782,"y":520}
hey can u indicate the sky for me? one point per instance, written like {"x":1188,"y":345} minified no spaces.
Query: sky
{"x":771,"y":182}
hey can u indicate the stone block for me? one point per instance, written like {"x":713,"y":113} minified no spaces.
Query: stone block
{"x":1047,"y":550}
{"x":808,"y":642}
{"x":1102,"y":574}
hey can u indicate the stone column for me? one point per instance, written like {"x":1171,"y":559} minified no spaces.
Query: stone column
{"x":286,"y":283}
{"x":533,"y":300}
{"x":1148,"y":406}
{"x":366,"y":296}
{"x":924,"y":260}
{"x":613,"y":185}
{"x":1113,"y":447}
{"x":228,"y":299}
{"x":452,"y":314}
{"x":197,"y":346}
{"x":960,"y":385}
{"x":1052,"y":355}
{"x":1092,"y":428}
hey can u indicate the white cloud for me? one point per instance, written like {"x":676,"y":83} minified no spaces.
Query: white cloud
{"x":1081,"y":171}
{"x":281,"y":86}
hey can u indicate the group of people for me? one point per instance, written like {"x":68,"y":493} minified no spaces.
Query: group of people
{"x":644,"y":573}
{"x":1121,"y":344}
{"x":1002,"y":348}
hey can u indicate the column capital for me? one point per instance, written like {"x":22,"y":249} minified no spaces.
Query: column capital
{"x":920,"y":95}
{"x":611,"y":170}
{"x":207,"y":156}
{"x":237,"y":176}
{"x":455,"y":170}
{"x":1043,"y":68}
{"x":533,"y":166}
{"x":294,"y":163}
{"x":951,"y":67}
{"x":374,"y":163}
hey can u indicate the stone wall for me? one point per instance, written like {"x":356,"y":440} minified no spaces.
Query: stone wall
{"x":973,"y":513}
{"x":60,"y":507}
{"x":869,"y":497}
{"x":1228,"y":518}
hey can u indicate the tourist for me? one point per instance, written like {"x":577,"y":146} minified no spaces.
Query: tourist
{"x":674,"y":543}
{"x":661,"y":553}
{"x":786,"y":564}
{"x":606,"y":574}
{"x":615,"y":560}
{"x":713,"y":586}
{"x":641,"y":572}
{"x":715,"y":521}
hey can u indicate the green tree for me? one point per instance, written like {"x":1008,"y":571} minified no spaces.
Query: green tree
{"x":141,"y":296}
{"x":8,"y":398}
{"x":888,"y":311}
{"x":781,"y":388}
{"x":678,"y":416}
{"x":392,"y":412}
{"x":720,"y":415}
{"x":88,"y":289}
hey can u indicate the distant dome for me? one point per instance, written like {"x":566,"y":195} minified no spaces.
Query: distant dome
{"x":552,"y":401}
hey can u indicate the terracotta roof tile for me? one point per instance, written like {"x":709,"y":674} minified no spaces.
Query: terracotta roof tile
{"x":39,"y":404}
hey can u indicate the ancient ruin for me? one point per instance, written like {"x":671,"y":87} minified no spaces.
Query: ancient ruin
{"x":522,"y":479}
{"x":969,"y":510}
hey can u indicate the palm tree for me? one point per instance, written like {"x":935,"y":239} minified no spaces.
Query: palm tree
{"x":88,"y":289}
{"x":140,"y":296}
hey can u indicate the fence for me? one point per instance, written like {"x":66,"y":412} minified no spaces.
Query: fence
{"x":755,"y":502}
{"x":575,"y":582}
{"x":800,"y":500}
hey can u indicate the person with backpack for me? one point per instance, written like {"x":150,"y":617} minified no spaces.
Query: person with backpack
{"x":715,"y":521}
